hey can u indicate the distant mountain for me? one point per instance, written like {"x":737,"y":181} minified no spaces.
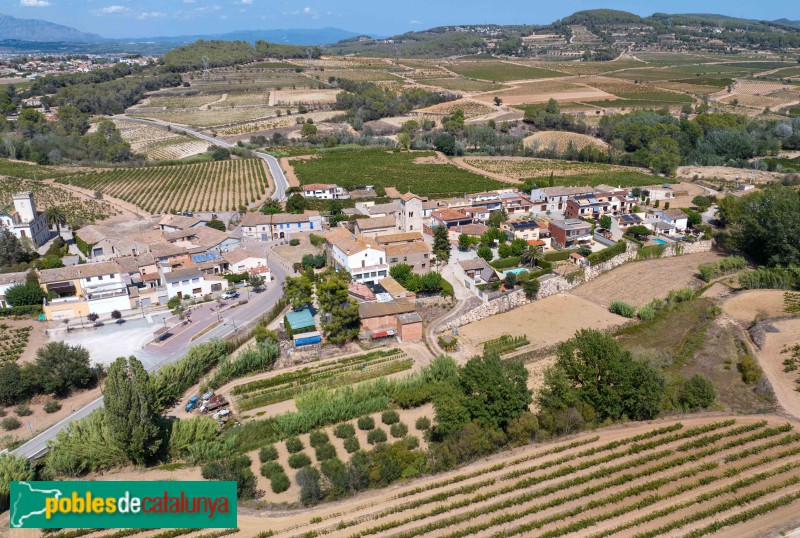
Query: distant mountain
{"x":787,"y":21}
{"x":41,"y":31}
{"x":290,"y":36}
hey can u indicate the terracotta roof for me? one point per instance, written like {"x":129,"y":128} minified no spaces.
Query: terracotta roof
{"x":75,"y":272}
{"x":403,"y":249}
{"x":179,"y":221}
{"x":256,"y":219}
{"x":410,"y":196}
{"x":182,"y":274}
{"x":449,"y":214}
{"x":376,"y":223}
{"x":472,"y":229}
{"x":290,"y":218}
{"x":240,"y":254}
{"x":360,"y":291}
{"x":349,"y":243}
{"x":393,"y":287}
{"x":388,"y":308}
{"x":402,"y":237}
{"x":575,"y":256}
{"x":536,"y":242}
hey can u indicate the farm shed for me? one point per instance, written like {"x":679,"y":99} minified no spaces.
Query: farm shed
{"x":299,"y":322}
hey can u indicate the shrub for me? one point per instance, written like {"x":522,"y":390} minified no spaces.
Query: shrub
{"x":411,"y":442}
{"x":607,"y":253}
{"x":233,"y":468}
{"x":10,"y":423}
{"x":398,"y":430}
{"x":294,"y":242}
{"x":270,"y":469}
{"x":325,"y":451}
{"x":366,"y":423}
{"x":376,"y":436}
{"x":522,"y":429}
{"x":749,"y":369}
{"x":622,"y":308}
{"x":2,"y":412}
{"x":344,"y":430}
{"x":279,"y":482}
{"x":697,"y":393}
{"x":646,"y":313}
{"x":318,"y":437}
{"x":299,"y":460}
{"x":52,"y":406}
{"x":23,"y":410}
{"x":268,"y":453}
{"x":390,"y":417}
{"x":423,"y":423}
{"x":351,"y":444}
{"x":294,"y":445}
{"x":316,"y":240}
{"x":531,"y":287}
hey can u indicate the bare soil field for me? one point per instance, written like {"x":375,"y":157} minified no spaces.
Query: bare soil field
{"x":561,"y":139}
{"x":517,"y":168}
{"x":771,"y":360}
{"x":579,"y":93}
{"x":727,"y":174}
{"x":638,"y":283}
{"x":545,"y":322}
{"x":745,"y":305}
{"x":295,"y":254}
{"x":471,"y":107}
{"x":296,"y":97}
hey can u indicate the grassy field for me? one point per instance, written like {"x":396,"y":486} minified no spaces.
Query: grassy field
{"x":461,"y":84}
{"x":385,"y":169}
{"x":208,"y":186}
{"x":26,"y":170}
{"x":502,"y":72}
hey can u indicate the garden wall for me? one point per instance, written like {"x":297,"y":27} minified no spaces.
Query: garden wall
{"x":552,"y":284}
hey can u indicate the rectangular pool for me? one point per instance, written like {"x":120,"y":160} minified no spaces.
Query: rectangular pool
{"x":516,"y":271}
{"x":659,"y":241}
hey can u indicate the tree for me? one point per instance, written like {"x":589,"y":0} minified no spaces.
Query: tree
{"x":531,"y":287}
{"x":496,"y":218}
{"x":93,"y":317}
{"x":529,"y":255}
{"x":131,"y":410}
{"x":450,"y":406}
{"x":594,"y":370}
{"x":496,"y":391}
{"x":702,"y":203}
{"x":299,"y":291}
{"x":25,"y":295}
{"x":697,"y":393}
{"x":485,"y":253}
{"x":767,"y":225}
{"x":497,"y":101}
{"x":403,"y":140}
{"x":640,"y":231}
{"x":401,"y":273}
{"x":465,"y":242}
{"x":220,"y":154}
{"x":56,"y":216}
{"x":510,"y":280}
{"x":441,"y":244}
{"x":296,"y":204}
{"x":693,"y":217}
{"x":605,"y":222}
{"x":117,"y":315}
{"x":310,"y":490}
{"x":216,"y":224}
{"x":455,"y":121}
{"x":665,"y":155}
{"x":308,"y":130}
{"x":59,"y":368}
{"x":343,"y":321}
{"x":270,"y":207}
{"x":13,"y":388}
{"x":11,"y":251}
{"x":12,"y":469}
{"x":256,"y":281}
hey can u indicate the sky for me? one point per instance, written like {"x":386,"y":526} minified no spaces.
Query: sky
{"x":149,"y":18}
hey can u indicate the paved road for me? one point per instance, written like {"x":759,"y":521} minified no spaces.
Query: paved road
{"x":281,"y":183}
{"x":153,"y":357}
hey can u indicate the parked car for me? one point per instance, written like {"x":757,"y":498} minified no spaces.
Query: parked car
{"x":192,"y":404}
{"x":230,"y":294}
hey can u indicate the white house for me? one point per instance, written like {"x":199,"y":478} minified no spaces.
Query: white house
{"x":363,"y":258}
{"x":675,"y":217}
{"x":279,"y":225}
{"x":191,"y":282}
{"x":98,"y":288}
{"x":24,"y":221}
{"x":324,"y":191}
{"x":248,"y":260}
{"x":553,"y":200}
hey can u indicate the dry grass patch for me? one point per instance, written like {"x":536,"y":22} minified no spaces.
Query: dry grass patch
{"x":307,"y":97}
{"x":560,"y":140}
{"x":525,"y":167}
{"x":471,"y":108}
{"x":745,"y":306}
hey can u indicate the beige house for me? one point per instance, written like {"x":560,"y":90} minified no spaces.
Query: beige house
{"x":376,"y":226}
{"x":416,"y":254}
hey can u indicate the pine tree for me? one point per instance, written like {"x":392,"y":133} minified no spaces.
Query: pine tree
{"x":131,"y":411}
{"x":441,"y":244}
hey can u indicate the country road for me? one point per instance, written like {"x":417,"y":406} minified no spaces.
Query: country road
{"x":281,"y":183}
{"x":38,"y":445}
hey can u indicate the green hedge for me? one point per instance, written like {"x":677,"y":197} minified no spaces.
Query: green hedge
{"x":26,"y":310}
{"x":447,"y":289}
{"x":506,"y":263}
{"x":83,"y":246}
{"x":607,"y":253}
{"x":560,"y":255}
{"x":235,"y":278}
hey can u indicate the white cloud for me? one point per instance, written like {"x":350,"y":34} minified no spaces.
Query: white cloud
{"x":34,"y":3}
{"x":306,"y":11}
{"x":150,"y":15}
{"x":112,"y":9}
{"x":189,"y":1}
{"x":414,"y":21}
{"x":246,"y":2}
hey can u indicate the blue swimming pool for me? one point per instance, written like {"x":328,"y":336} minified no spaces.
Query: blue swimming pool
{"x":516,"y":271}
{"x":659,"y":241}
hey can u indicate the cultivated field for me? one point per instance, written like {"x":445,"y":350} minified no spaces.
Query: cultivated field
{"x":208,"y":186}
{"x":78,"y":210}
{"x":638,"y":283}
{"x":158,"y":144}
{"x":560,"y":141}
{"x":771,"y":357}
{"x":471,"y":108}
{"x":543,"y":91}
{"x":305,"y":97}
{"x":387,"y":169}
{"x":666,"y":478}
{"x":564,"y":172}
{"x":501,"y":71}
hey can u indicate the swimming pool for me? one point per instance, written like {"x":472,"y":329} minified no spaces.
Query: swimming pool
{"x":516,"y":271}
{"x":659,"y":241}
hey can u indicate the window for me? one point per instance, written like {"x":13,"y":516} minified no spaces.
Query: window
{"x":392,"y":260}
{"x":100,"y":277}
{"x":410,"y":214}
{"x":195,"y":280}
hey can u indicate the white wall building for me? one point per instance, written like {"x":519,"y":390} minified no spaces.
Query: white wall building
{"x":24,"y":221}
{"x":191,"y":282}
{"x":324,"y":191}
{"x":361,"y":257}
